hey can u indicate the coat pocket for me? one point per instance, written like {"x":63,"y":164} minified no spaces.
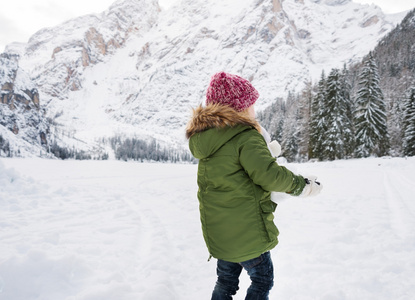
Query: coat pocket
{"x":267,"y":210}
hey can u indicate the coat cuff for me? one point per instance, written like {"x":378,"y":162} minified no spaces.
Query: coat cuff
{"x":299,"y":184}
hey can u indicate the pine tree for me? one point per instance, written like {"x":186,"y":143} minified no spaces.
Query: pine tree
{"x":272,"y":119}
{"x":395,"y":112}
{"x":339,"y":134}
{"x":277,"y":122}
{"x":348,"y":126}
{"x":409,"y":124}
{"x":370,"y":113}
{"x":289,"y":142}
{"x":305,"y":100}
{"x":317,"y":123}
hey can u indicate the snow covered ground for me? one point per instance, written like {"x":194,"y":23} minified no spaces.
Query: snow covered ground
{"x":110,"y":230}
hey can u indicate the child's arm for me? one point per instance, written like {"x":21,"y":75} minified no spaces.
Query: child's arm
{"x":264,"y":171}
{"x":312,"y":187}
{"x":261,"y":167}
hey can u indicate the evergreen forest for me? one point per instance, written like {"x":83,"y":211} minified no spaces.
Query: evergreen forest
{"x":362,"y":110}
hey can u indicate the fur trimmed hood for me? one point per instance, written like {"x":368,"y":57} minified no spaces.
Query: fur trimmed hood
{"x":218,"y":116}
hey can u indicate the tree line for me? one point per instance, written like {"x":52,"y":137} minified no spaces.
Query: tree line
{"x":344,"y":115}
{"x":141,"y":150}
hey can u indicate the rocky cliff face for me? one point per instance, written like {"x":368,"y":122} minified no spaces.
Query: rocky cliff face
{"x":20,"y":110}
{"x":16,"y":90}
{"x":136,"y":70}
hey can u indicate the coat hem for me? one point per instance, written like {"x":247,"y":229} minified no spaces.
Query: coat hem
{"x":248,"y":256}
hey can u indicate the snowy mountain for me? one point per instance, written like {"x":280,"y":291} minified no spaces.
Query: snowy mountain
{"x":136,"y":70}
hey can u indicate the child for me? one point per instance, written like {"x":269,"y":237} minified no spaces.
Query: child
{"x":236,"y":174}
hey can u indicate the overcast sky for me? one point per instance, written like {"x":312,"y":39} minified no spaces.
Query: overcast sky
{"x":19,"y":19}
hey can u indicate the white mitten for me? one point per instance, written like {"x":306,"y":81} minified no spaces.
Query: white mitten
{"x":275,"y":148}
{"x":312,"y":187}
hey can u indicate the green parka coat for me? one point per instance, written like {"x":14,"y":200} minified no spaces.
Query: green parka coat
{"x":236,"y":174}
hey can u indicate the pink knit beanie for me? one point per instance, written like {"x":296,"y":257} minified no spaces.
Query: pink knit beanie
{"x":231,"y":90}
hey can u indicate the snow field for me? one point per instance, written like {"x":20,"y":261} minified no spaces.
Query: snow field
{"x":90,"y":230}
{"x":355,"y":238}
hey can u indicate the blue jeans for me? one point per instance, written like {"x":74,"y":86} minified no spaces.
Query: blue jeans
{"x":260,"y":270}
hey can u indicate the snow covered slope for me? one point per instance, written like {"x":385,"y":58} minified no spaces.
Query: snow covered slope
{"x":106,"y":230}
{"x":137,"y":70}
